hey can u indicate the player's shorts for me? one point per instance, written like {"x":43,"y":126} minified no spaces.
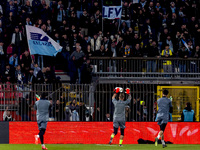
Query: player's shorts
{"x":163,"y":126}
{"x":42,"y":124}
{"x":118,"y":124}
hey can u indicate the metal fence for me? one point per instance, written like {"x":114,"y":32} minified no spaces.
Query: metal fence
{"x":75,"y":102}
{"x":145,"y":67}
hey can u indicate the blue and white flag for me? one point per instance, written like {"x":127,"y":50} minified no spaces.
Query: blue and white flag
{"x":40,"y":43}
{"x":112,"y":12}
{"x":185,"y":44}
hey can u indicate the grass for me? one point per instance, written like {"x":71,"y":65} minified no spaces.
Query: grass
{"x":96,"y":147}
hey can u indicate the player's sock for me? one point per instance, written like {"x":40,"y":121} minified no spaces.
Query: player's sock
{"x":163,"y":142}
{"x":158,"y":136}
{"x":43,"y":145}
{"x":41,"y":136}
{"x":111,"y":138}
{"x":120,"y":142}
{"x":42,"y":139}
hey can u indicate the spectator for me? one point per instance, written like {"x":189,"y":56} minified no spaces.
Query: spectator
{"x":19,"y":76}
{"x":183,"y":53}
{"x":101,"y":52}
{"x":84,"y":22}
{"x":1,"y":9}
{"x":77,"y":57}
{"x":28,"y":9}
{"x":17,"y":41}
{"x":8,"y":75}
{"x":188,"y":114}
{"x":163,"y":37}
{"x":193,"y":64}
{"x":13,"y":60}
{"x":8,"y":116}
{"x":127,"y":51}
{"x":45,"y":12}
{"x":60,"y":16}
{"x":36,"y":6}
{"x":170,"y":43}
{"x":74,"y":107}
{"x":136,"y":40}
{"x":137,"y":51}
{"x":127,"y":113}
{"x":30,"y":77}
{"x":92,"y":27}
{"x":106,"y":43}
{"x":167,"y":64}
{"x":66,"y":51}
{"x":2,"y":57}
{"x":36,"y":69}
{"x":108,"y":117}
{"x":82,"y":111}
{"x":86,"y":72}
{"x":59,"y":111}
{"x":95,"y":42}
{"x":38,"y":74}
{"x":139,"y":110}
{"x":26,"y":61}
{"x":50,"y":76}
{"x":113,"y":50}
{"x":5,"y":113}
{"x":25,"y":109}
{"x":120,"y":46}
{"x":89,"y":52}
{"x":152,"y":52}
{"x":126,"y":14}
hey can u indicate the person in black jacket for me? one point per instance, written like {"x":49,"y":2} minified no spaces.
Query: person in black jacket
{"x":82,"y":111}
{"x":152,"y":51}
{"x":84,"y":22}
{"x":183,"y":53}
{"x":86,"y":72}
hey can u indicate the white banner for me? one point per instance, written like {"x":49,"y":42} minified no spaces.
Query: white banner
{"x":112,"y":12}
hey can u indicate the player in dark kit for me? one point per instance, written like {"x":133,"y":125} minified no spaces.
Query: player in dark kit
{"x":119,"y":113}
{"x":42,"y":107}
{"x":164,"y":108}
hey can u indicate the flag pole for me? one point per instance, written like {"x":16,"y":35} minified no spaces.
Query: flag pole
{"x":119,"y":19}
{"x":102,"y":18}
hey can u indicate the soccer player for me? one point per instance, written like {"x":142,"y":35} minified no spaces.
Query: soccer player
{"x":164,"y":108}
{"x":42,"y":107}
{"x":119,"y":114}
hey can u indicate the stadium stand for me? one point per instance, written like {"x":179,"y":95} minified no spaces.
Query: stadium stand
{"x":153,"y":39}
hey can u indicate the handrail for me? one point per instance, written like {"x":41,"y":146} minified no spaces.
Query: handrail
{"x":141,"y":58}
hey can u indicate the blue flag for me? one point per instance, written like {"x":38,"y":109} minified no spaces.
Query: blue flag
{"x":40,"y":43}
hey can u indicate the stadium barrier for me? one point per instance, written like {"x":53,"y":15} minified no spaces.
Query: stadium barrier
{"x":92,"y":102}
{"x":99,"y":133}
{"x":146,"y":67}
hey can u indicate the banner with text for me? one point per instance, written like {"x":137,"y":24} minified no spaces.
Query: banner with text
{"x":112,"y":12}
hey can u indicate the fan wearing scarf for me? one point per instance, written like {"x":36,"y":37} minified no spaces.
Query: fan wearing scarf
{"x":167,"y":64}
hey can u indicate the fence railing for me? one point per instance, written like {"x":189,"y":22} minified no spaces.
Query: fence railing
{"x":91,"y":102}
{"x":145,"y":67}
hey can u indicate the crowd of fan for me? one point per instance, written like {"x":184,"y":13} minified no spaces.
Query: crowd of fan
{"x":148,"y":28}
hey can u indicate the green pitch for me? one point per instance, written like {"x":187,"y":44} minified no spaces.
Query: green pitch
{"x":97,"y":147}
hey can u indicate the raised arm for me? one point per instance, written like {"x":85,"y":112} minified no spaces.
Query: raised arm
{"x":127,"y":91}
{"x":114,"y":95}
{"x":113,"y":98}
